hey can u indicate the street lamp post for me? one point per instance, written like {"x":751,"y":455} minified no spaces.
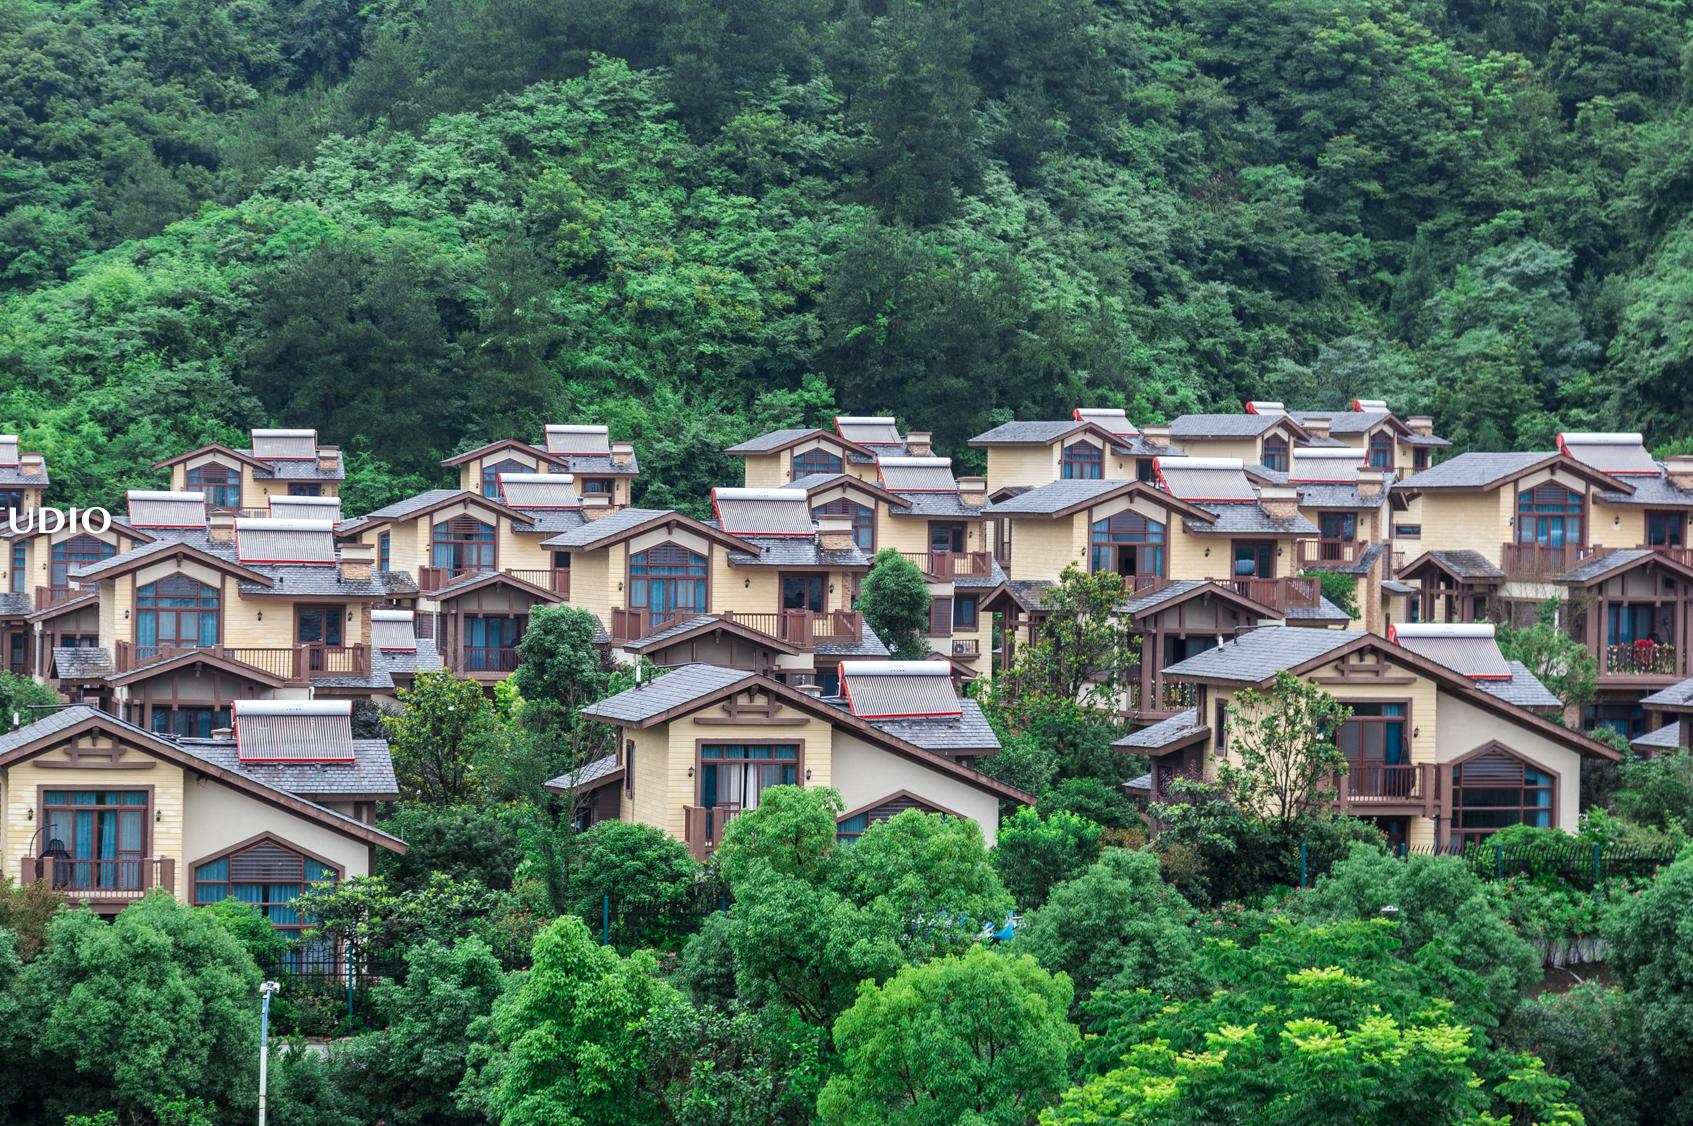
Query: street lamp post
{"x":266,"y":991}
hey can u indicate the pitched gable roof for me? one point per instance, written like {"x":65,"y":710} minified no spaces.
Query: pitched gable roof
{"x":1484,"y":471}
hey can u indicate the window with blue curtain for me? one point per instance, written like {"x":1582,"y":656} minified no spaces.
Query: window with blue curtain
{"x":175,"y":612}
{"x":384,"y":552}
{"x":964,"y":611}
{"x":863,"y":520}
{"x":491,"y":475}
{"x":74,"y":554}
{"x":100,"y":835}
{"x":668,"y":580}
{"x":267,"y":874}
{"x":488,"y":643}
{"x":1082,"y":461}
{"x":815,"y":461}
{"x":1549,"y":515}
{"x":734,"y":774}
{"x":220,"y":483}
{"x":20,"y":565}
{"x":463,"y":543}
{"x":1129,"y":544}
{"x":193,"y":723}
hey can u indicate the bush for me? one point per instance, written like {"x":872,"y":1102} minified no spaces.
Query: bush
{"x":1590,"y":1037}
{"x":645,"y":873}
{"x":1658,"y":792}
{"x":26,"y":911}
{"x":1036,"y":852}
{"x":1651,"y":954}
{"x":469,"y":843}
{"x":1104,"y":803}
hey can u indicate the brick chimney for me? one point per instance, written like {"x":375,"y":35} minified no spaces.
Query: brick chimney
{"x":1680,"y":469}
{"x":972,"y":491}
{"x":329,"y":458}
{"x":1421,"y":424}
{"x":1279,"y":502}
{"x":1317,"y":426}
{"x":1156,"y":435}
{"x":33,"y":465}
{"x":595,"y":506}
{"x":834,"y":533}
{"x":220,"y":527}
{"x":623,"y":454}
{"x":918,"y":444}
{"x":357,"y":560}
{"x":1369,"y":481}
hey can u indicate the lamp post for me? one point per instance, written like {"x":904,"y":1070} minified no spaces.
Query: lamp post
{"x":267,"y":990}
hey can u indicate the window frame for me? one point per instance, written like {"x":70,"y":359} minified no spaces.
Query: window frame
{"x":1086,"y":466}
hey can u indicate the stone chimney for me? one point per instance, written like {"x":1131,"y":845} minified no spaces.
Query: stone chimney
{"x":595,"y":506}
{"x":623,"y":454}
{"x":972,"y":491}
{"x":329,"y":458}
{"x":1317,"y":426}
{"x":918,"y":444}
{"x":834,"y":533}
{"x":1421,"y":424}
{"x":220,"y":527}
{"x":224,"y":734}
{"x":1156,"y":435}
{"x":1679,"y":468}
{"x":1279,"y":502}
{"x":33,"y":465}
{"x":1369,"y":481}
{"x":357,"y":560}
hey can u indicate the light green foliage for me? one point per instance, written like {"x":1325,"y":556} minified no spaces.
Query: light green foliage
{"x":982,"y":1038}
{"x":560,"y":672}
{"x":575,"y":1034}
{"x":1562,"y":663}
{"x":895,"y":602}
{"x":1280,"y":757}
{"x":1653,"y":961}
{"x":150,"y":1014}
{"x":1034,"y":852}
{"x":1308,"y":1024}
{"x":1658,"y":792}
{"x":434,"y":738}
{"x":22,"y":698}
{"x":1116,"y":923}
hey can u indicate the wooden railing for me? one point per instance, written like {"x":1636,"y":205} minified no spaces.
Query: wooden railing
{"x":47,"y":596}
{"x":1327,"y":553}
{"x":1682,"y":555}
{"x":703,"y":827}
{"x":297,"y":665}
{"x":1290,"y":592}
{"x":486,"y":658}
{"x":952,"y":564}
{"x":1542,"y":559}
{"x":802,"y":628}
{"x":1642,"y":658}
{"x":431,"y":579}
{"x":101,"y":880}
{"x":1376,"y":784}
{"x":555,"y":579}
{"x":1166,"y":696}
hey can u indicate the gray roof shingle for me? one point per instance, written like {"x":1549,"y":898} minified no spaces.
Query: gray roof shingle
{"x":369,"y":775}
{"x":1163,"y":733}
{"x":1604,"y":562}
{"x":82,"y":663}
{"x":1050,"y":498}
{"x":1260,"y":653}
{"x":1148,"y":601}
{"x":1665,"y":738}
{"x":1467,"y":564}
{"x":1221,"y":425}
{"x":1523,"y":689}
{"x":675,"y":689}
{"x":612,"y":524}
{"x":967,"y":733}
{"x":589,"y":772}
{"x":1236,"y":518}
{"x":1475,"y":470}
{"x":1678,"y":695}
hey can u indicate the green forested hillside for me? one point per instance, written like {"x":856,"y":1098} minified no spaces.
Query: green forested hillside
{"x":421,"y":225}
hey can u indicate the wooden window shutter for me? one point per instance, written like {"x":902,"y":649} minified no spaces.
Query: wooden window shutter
{"x":940,"y":617}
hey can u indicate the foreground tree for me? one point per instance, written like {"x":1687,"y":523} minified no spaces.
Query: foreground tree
{"x":895,"y":602}
{"x":1653,"y":956}
{"x":1036,"y":852}
{"x":1561,"y":662}
{"x":980,"y":1038}
{"x":559,"y":672}
{"x":434,"y":739}
{"x":1280,"y":754}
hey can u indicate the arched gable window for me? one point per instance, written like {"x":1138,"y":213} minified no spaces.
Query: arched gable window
{"x":1496,"y":788}
{"x":1549,"y":514}
{"x":863,"y":520}
{"x":850,"y":826}
{"x":1082,"y":461}
{"x":220,"y":483}
{"x":1275,"y":453}
{"x":176,"y":612}
{"x":75,"y":553}
{"x":1128,"y":544}
{"x":815,"y":461}
{"x":463,"y":543}
{"x":266,"y":873}
{"x":668,"y":580}
{"x":1381,"y":450}
{"x":491,"y":475}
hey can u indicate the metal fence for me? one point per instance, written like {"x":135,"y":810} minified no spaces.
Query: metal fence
{"x":326,"y":992}
{"x":1577,"y":865}
{"x":629,"y":923}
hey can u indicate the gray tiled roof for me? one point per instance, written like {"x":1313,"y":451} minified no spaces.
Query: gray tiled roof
{"x":589,"y":772}
{"x":1656,"y":491}
{"x":143,"y":551}
{"x":1149,"y":601}
{"x":1363,"y":565}
{"x":1236,"y":518}
{"x":968,"y":732}
{"x":1467,"y":564}
{"x":796,"y":551}
{"x":377,"y":680}
{"x":1161,"y":734}
{"x":1523,"y":689}
{"x":297,"y":471}
{"x":403,"y":662}
{"x":670,"y":633}
{"x":1030,"y":592}
{"x":677,"y":688}
{"x":80,"y":663}
{"x":1343,"y":422}
{"x":1424,"y":440}
{"x":15,"y":475}
{"x":1678,"y":695}
{"x":1474,"y":470}
{"x":1050,"y":498}
{"x":1394,"y":586}
{"x":1260,"y":653}
{"x":1665,"y":738}
{"x":1140,"y":782}
{"x":1323,"y":611}
{"x":370,"y":774}
{"x":1025,"y":433}
{"x":549,"y":521}
{"x":607,"y":526}
{"x":1339,"y":496}
{"x":995,"y":576}
{"x":773,"y":439}
{"x":937,"y":505}
{"x":1221,"y":425}
{"x":16,"y":604}
{"x":869,"y":644}
{"x":399,"y":510}
{"x":326,"y":581}
{"x":598,"y":465}
{"x":1604,"y":562}
{"x":51,"y":723}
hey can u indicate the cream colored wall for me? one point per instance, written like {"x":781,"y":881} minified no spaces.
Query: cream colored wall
{"x":652,"y":802}
{"x":1617,"y":525}
{"x":219,"y":816}
{"x":1040,"y":549}
{"x":765,"y":471}
{"x":1021,"y":465}
{"x":865,"y":774}
{"x":1462,"y":521}
{"x":21,"y":783}
{"x":591,"y":585}
{"x":1248,"y":450}
{"x":678,"y":738}
{"x":1463,"y":727}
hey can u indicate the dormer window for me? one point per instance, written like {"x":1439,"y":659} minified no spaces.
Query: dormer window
{"x":815,"y":461}
{"x":1082,"y":461}
{"x":863,"y":520}
{"x":491,"y":475}
{"x":75,"y":553}
{"x":220,"y":483}
{"x":461,"y":544}
{"x":1381,"y":450}
{"x":1275,"y":453}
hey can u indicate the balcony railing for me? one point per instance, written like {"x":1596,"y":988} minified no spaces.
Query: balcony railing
{"x":47,"y":597}
{"x":801,"y":628}
{"x":555,"y":579}
{"x":1379,"y":784}
{"x":486,"y":658}
{"x":1543,"y":560}
{"x":952,"y":564}
{"x":1682,"y":555}
{"x":432,"y":579}
{"x":703,"y":827}
{"x":1642,"y":658}
{"x":1327,"y":553}
{"x":101,"y":880}
{"x":1286,"y":593}
{"x":1166,"y":695}
{"x":296,"y":665}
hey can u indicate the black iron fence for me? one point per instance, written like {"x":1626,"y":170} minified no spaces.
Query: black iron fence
{"x":325,"y":991}
{"x":1575,"y":864}
{"x":632,"y":922}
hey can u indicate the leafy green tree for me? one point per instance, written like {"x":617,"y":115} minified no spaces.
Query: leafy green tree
{"x":24,"y":701}
{"x":1658,"y":791}
{"x":434,"y":737}
{"x":1035,"y":852}
{"x":637,"y":867}
{"x":1648,"y":951}
{"x":576,"y":1035}
{"x":469,"y":843}
{"x":895,"y":603}
{"x":710,"y":1067}
{"x":1590,"y":1037}
{"x":26,"y":912}
{"x":1560,"y":662}
{"x":981,"y":1037}
{"x":1116,"y":923}
{"x":559,"y":672}
{"x":149,"y":1012}
{"x":385,"y":921}
{"x":1280,"y":756}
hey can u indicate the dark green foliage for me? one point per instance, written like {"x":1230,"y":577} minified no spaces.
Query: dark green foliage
{"x":470,"y":843}
{"x":560,"y":671}
{"x":1589,"y":1037}
{"x":895,"y":603}
{"x":642,"y":870}
{"x":1034,"y":852}
{"x":1654,"y":964}
{"x":1658,"y":791}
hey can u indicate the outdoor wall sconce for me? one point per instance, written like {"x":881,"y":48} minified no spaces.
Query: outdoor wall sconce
{"x":808,"y":774}
{"x":1207,"y":553}
{"x":1416,"y":733}
{"x":260,"y":615}
{"x":29,"y":815}
{"x":620,"y":585}
{"x":690,"y":772}
{"x":746,"y":584}
{"x":158,"y":816}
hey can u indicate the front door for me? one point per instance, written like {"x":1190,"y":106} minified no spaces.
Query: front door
{"x":1254,"y":560}
{"x":946,"y":537}
{"x":803,"y":592}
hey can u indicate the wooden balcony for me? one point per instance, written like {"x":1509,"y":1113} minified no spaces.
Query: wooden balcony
{"x":1682,"y":555}
{"x":1165,"y":696}
{"x":1289,"y":592}
{"x":1408,"y":787}
{"x":474,"y":659}
{"x":46,"y":597}
{"x":1542,"y":560}
{"x":1317,"y":554}
{"x":1641,"y":658}
{"x":101,"y":881}
{"x":801,"y":628}
{"x":432,"y":579}
{"x":298,"y":665}
{"x":703,"y":828}
{"x":952,"y":564}
{"x":555,"y":579}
